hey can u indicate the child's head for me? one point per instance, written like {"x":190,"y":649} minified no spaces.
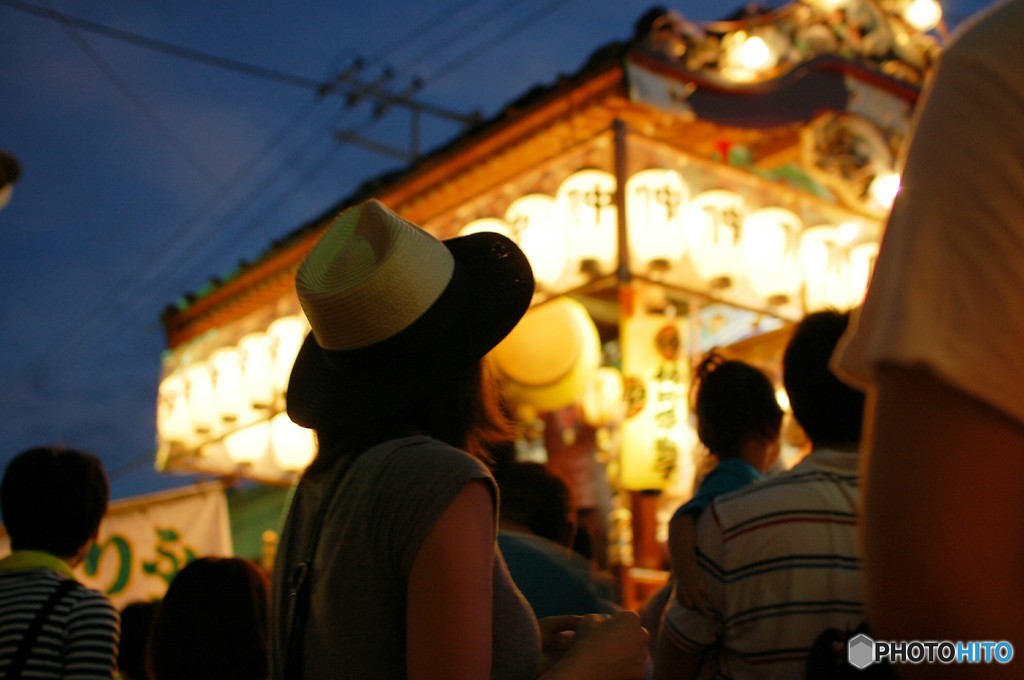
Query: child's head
{"x":734,"y":404}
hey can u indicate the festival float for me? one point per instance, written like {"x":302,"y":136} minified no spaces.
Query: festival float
{"x":698,"y":185}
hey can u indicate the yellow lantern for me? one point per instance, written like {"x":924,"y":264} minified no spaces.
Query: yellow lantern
{"x":248,"y":444}
{"x":713,"y":222}
{"x":536,"y":227}
{"x":293,"y":446}
{"x":656,"y":374}
{"x":550,"y":357}
{"x":769,"y":244}
{"x":655,"y":199}
{"x":825,"y":266}
{"x":288,"y":334}
{"x":586,"y":205}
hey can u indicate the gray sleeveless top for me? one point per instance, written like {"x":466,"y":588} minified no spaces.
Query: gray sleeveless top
{"x":375,"y":524}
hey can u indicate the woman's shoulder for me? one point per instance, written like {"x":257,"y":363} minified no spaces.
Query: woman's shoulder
{"x":425,"y":457}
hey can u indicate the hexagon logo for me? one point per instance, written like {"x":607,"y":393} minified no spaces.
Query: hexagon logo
{"x":860,"y":651}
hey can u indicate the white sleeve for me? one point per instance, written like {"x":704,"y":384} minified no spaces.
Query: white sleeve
{"x":948,"y":288}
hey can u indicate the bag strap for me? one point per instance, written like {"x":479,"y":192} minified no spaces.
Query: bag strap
{"x":20,"y":658}
{"x":298,"y":581}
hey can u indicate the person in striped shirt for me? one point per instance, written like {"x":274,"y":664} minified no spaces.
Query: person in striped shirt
{"x":780,"y":556}
{"x":52,"y":500}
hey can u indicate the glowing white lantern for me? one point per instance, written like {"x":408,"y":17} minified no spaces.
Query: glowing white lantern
{"x":172,"y":419}
{"x":602,"y":402}
{"x":202,"y":407}
{"x":654,"y":202}
{"x":825,"y":267}
{"x":486,"y":224}
{"x":769,"y":242}
{"x":248,"y":444}
{"x":862,"y":263}
{"x":883,"y":189}
{"x":586,"y":205}
{"x":745,"y":56}
{"x":229,"y":385}
{"x":256,"y":351}
{"x":288,"y":333}
{"x":924,"y":15}
{"x":293,"y":446}
{"x":713,"y":221}
{"x":535,"y":225}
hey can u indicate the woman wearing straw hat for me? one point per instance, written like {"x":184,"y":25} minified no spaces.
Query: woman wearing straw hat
{"x":387,"y":566}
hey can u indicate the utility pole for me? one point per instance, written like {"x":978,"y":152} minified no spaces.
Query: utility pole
{"x":357,"y":90}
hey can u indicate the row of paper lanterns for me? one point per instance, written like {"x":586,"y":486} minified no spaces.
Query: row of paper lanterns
{"x":236,"y":397}
{"x":576,"y":231}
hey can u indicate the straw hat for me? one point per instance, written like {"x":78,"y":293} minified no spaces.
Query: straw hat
{"x":388,"y":301}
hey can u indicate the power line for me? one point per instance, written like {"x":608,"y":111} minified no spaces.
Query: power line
{"x":128,"y":93}
{"x":166,"y":48}
{"x":489,"y":43}
{"x":179,"y":238}
{"x":342,"y":82}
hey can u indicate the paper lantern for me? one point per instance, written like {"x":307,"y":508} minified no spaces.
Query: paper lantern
{"x":535,"y":225}
{"x":293,"y":446}
{"x":256,"y":351}
{"x":586,"y":205}
{"x":172,"y":416}
{"x":769,"y":242}
{"x":248,"y":444}
{"x":924,"y":15}
{"x":603,"y":400}
{"x":746,"y":56}
{"x":654,"y":202}
{"x":825,"y":266}
{"x":550,"y":357}
{"x":486,"y":224}
{"x":883,"y":189}
{"x":656,"y":372}
{"x":713,"y":221}
{"x":288,"y":334}
{"x":862,"y":263}
{"x":202,"y":407}
{"x":229,"y":394}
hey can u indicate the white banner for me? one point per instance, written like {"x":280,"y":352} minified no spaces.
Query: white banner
{"x":145,"y":541}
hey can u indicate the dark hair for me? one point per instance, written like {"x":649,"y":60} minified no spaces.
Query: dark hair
{"x":733,"y":402}
{"x":538,"y":498}
{"x":212,"y":623}
{"x":459,"y":404}
{"x":53,"y":499}
{"x":829,"y":411}
{"x":136,"y":621}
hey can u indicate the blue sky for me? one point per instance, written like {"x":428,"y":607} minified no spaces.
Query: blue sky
{"x":144,"y":174}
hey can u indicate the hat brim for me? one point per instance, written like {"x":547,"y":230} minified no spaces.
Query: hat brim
{"x":490,"y":290}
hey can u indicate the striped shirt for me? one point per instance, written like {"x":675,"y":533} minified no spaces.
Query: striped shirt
{"x":77,"y":642}
{"x":780,"y":558}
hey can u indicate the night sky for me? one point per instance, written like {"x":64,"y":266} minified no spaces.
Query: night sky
{"x":162,"y":144}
